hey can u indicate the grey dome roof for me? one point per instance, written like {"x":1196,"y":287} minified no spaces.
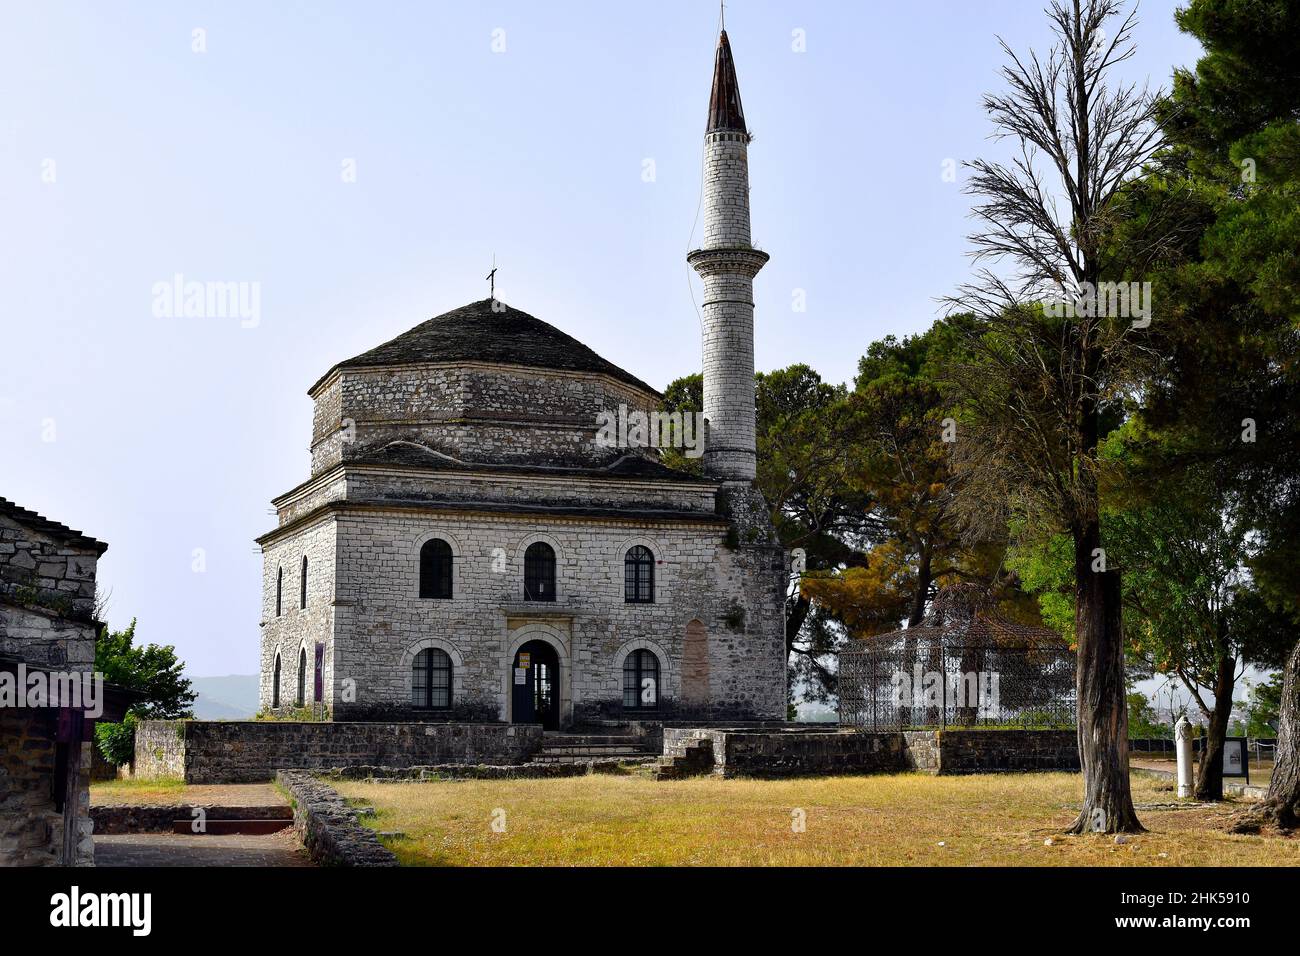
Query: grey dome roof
{"x":477,"y":333}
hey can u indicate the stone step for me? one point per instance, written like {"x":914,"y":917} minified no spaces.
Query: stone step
{"x":594,"y":750}
{"x":225,"y":827}
{"x":639,"y":758}
{"x":545,"y":757}
{"x":551,"y":739}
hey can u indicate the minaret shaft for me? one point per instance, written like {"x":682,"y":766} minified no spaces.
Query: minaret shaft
{"x":727,"y":262}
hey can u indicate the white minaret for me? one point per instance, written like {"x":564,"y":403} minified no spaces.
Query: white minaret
{"x":728,"y":263}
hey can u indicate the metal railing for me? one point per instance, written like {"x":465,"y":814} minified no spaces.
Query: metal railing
{"x":898,"y":685}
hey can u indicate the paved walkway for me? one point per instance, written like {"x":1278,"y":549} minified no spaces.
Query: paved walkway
{"x":178,"y":849}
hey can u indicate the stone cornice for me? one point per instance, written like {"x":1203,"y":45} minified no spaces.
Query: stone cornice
{"x":574,"y":514}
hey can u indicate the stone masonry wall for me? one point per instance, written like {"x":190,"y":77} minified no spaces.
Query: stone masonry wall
{"x":468,"y":411}
{"x":981,"y":751}
{"x":31,"y":830}
{"x":47,"y":601}
{"x":37,"y":570}
{"x":159,"y":749}
{"x":295,"y":628}
{"x":251,"y":751}
{"x":811,"y":752}
{"x":697,"y":577}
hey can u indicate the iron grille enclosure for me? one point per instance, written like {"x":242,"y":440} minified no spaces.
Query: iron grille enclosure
{"x":965,"y":665}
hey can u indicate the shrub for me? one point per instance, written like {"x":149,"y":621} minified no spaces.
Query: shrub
{"x":117,"y":741}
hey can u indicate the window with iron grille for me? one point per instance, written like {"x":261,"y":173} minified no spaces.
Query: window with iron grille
{"x":639,"y":576}
{"x":275,"y":683}
{"x":431,"y":680}
{"x":435,"y":569}
{"x":539,"y":572}
{"x":641,"y":681}
{"x":302,"y":678}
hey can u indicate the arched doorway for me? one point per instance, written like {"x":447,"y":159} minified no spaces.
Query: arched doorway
{"x":535,"y":682}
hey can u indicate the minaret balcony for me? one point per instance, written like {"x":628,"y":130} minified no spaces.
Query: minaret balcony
{"x":727,"y":261}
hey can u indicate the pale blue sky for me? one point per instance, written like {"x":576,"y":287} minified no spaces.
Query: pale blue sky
{"x":172,"y":434}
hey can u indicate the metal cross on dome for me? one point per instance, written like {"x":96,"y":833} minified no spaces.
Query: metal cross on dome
{"x":492,"y":279}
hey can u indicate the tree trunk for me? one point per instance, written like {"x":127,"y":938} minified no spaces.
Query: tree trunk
{"x":794,"y":621}
{"x":1209,"y":775}
{"x":915,"y":618}
{"x":1281,"y":807}
{"x":1103,"y":713}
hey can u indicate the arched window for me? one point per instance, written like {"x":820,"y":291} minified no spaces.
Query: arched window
{"x":539,"y":572}
{"x":639,"y":576}
{"x":302,"y":678}
{"x":275,"y":682}
{"x":431,"y":680}
{"x":435,"y":569}
{"x":302,"y":584}
{"x":279,"y":589}
{"x":641,"y":681}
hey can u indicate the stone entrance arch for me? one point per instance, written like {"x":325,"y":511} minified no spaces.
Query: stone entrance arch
{"x":549,"y":634}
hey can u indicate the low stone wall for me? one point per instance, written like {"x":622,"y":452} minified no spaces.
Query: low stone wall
{"x":992,"y":751}
{"x":252,"y":751}
{"x":452,"y":771}
{"x":328,"y":827}
{"x":155,"y":818}
{"x":813,"y":752}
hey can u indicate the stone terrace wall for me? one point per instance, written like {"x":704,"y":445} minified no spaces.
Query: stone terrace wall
{"x":798,"y":753}
{"x":983,"y":751}
{"x":811,"y":754}
{"x":250,"y":751}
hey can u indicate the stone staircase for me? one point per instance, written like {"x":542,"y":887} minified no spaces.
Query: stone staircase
{"x":696,"y":761}
{"x":561,"y":747}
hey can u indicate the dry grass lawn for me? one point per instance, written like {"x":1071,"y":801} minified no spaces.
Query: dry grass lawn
{"x":896,"y":820}
{"x":165,"y":790}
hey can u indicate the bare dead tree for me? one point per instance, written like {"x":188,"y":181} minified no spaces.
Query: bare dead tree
{"x":1039,"y":380}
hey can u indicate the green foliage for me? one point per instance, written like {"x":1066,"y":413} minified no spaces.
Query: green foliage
{"x":685,"y":395}
{"x":1045,"y":568}
{"x":117,"y":741}
{"x":1264,"y":709}
{"x":152,"y":670}
{"x":1142,"y":720}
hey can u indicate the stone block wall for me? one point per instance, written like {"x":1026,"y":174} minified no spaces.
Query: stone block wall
{"x":379,"y":622}
{"x":31,"y":829}
{"x":983,"y":751}
{"x":40,"y":570}
{"x":294,"y":628}
{"x":159,"y":749}
{"x":807,"y":752}
{"x":252,"y":751}
{"x":468,"y":411}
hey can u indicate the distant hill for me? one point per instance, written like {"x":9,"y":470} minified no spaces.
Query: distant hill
{"x":233,"y":697}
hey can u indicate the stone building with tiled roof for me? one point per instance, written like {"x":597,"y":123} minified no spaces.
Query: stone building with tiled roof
{"x":471,"y":545}
{"x":49,"y":700}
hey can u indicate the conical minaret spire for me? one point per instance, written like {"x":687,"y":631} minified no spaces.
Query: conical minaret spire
{"x":725,"y":111}
{"x":728,"y":262}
